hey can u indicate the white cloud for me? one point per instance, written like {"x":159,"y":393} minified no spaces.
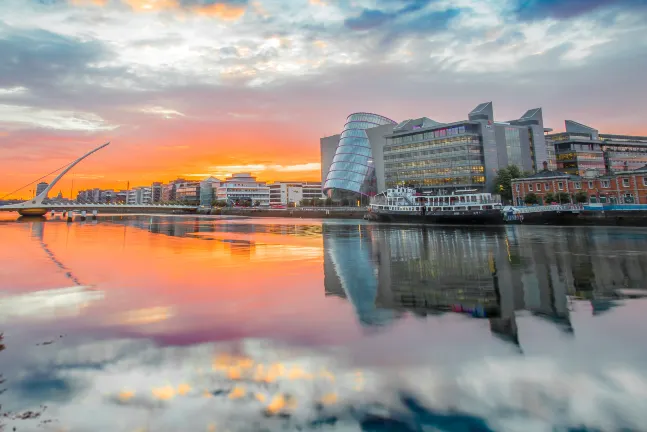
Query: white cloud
{"x":11,"y":91}
{"x":164,"y":112}
{"x":19,"y":117}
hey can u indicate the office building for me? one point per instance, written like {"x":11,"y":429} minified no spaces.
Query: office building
{"x":209,"y":191}
{"x":443,"y":157}
{"x":357,"y":163}
{"x":292,"y":193}
{"x":243,"y":189}
{"x":41,"y":187}
{"x":581,"y":148}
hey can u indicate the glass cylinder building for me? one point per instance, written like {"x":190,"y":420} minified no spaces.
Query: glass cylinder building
{"x":353,"y":167}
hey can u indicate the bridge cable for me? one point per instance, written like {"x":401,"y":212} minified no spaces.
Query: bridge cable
{"x":29,"y":184}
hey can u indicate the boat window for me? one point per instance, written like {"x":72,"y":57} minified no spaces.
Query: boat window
{"x":487,"y":207}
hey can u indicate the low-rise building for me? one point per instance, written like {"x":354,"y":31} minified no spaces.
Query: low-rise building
{"x":623,"y":187}
{"x":188,"y":192}
{"x":139,"y":195}
{"x":241,"y":189}
{"x":292,"y":193}
{"x":156,"y":192}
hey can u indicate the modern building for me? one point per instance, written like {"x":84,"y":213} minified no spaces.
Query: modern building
{"x":41,"y":187}
{"x":292,"y":193}
{"x":443,"y":157}
{"x":188,"y":192}
{"x":140,"y":195}
{"x":581,"y":148}
{"x":209,"y":191}
{"x":243,"y":189}
{"x":156,"y":192}
{"x":622,"y":187}
{"x":357,"y":163}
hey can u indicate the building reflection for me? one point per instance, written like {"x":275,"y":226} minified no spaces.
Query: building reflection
{"x":484,"y":273}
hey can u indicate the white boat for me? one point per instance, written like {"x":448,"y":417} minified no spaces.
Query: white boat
{"x":462,"y":206}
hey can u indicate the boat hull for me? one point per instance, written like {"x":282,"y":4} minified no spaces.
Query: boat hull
{"x":484,"y":217}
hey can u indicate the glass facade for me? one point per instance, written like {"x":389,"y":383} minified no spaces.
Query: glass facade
{"x":442,"y":159}
{"x":353,"y":167}
{"x":513,"y":146}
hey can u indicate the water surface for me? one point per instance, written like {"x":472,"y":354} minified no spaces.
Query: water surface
{"x":169,"y":323}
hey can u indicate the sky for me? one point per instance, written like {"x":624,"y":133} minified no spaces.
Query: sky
{"x":191,"y":88}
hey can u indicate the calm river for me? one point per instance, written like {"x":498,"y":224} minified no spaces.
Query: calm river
{"x":184,"y":323}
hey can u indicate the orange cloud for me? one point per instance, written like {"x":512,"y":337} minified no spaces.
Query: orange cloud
{"x":89,"y":2}
{"x":151,"y":5}
{"x":221,"y":10}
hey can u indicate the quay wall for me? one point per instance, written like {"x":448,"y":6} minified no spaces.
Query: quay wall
{"x":318,"y":213}
{"x":637,"y":218}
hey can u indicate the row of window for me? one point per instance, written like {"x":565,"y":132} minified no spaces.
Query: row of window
{"x":442,"y":152}
{"x":445,"y":166}
{"x":390,"y":148}
{"x":431,"y":134}
{"x":455,"y":181}
{"x":604,"y":184}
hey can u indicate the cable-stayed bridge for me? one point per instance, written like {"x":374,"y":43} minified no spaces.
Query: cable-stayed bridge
{"x":39,"y":206}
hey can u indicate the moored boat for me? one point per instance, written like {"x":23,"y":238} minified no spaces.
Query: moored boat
{"x":404,"y":204}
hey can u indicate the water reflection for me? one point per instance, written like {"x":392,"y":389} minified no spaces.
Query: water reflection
{"x":215,"y":324}
{"x":484,"y":273}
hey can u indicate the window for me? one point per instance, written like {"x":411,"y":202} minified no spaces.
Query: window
{"x":538,"y":187}
{"x":516,"y":186}
{"x":578,"y":185}
{"x":625,"y":182}
{"x":644,"y":181}
{"x":591,"y":185}
{"x":560,"y":185}
{"x":530,"y":187}
{"x":546,"y":186}
{"x":605,"y":183}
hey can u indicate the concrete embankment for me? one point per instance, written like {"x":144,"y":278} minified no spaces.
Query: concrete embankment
{"x":294,"y":213}
{"x":637,"y":218}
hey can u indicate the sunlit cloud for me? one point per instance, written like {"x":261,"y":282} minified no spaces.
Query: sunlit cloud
{"x":163,"y":112}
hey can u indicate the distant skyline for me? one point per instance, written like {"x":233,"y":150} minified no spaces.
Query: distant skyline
{"x":192,"y":88}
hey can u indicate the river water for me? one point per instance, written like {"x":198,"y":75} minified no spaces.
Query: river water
{"x":184,"y":323}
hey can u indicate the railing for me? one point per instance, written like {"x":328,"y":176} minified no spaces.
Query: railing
{"x":615,"y":207}
{"x":549,"y":208}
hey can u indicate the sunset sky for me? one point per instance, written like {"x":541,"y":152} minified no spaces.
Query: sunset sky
{"x":190,"y":88}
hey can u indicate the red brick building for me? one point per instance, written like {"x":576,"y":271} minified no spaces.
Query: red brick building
{"x":625,"y":187}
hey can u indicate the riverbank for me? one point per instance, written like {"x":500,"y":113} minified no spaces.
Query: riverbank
{"x":311,"y":213}
{"x":636,"y":218}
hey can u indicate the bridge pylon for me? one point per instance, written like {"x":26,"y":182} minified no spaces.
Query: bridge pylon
{"x":35,"y":207}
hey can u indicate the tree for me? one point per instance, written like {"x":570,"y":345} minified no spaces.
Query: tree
{"x":549,"y":198}
{"x":531,"y":198}
{"x":581,"y":197}
{"x":563,"y":198}
{"x":503,"y":181}
{"x":306,"y":202}
{"x":317,"y":202}
{"x":257,"y":203}
{"x":329,"y":202}
{"x":345,"y":202}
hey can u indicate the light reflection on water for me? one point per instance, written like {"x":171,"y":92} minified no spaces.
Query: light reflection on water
{"x":191,"y":323}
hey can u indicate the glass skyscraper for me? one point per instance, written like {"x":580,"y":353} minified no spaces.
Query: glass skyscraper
{"x":353,"y":167}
